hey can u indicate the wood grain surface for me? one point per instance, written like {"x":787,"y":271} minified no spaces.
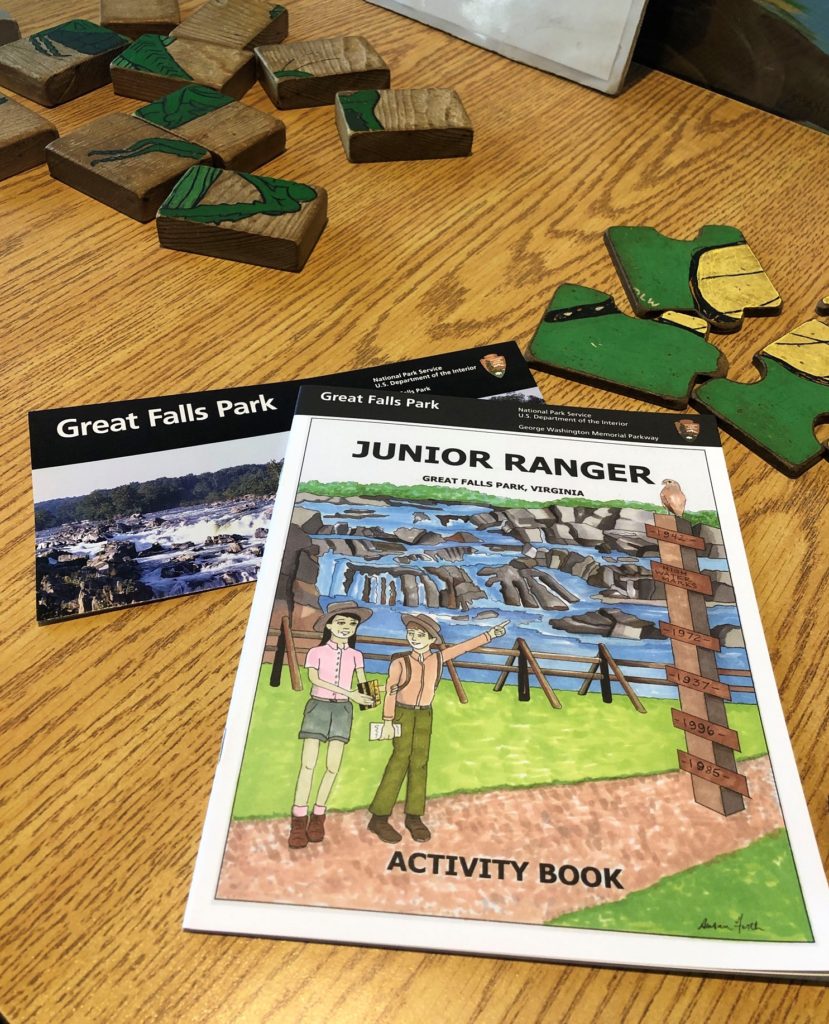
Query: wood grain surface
{"x":134,"y":18}
{"x":241,"y":24}
{"x":417,"y":124}
{"x":230,"y":71}
{"x":24,"y":136}
{"x":240,"y":137}
{"x":60,"y":73}
{"x":111,"y":725}
{"x":91,"y":159}
{"x":9,"y":30}
{"x":283,"y":243}
{"x":332,"y":65}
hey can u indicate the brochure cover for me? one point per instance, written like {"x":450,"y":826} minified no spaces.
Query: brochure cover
{"x":545,"y":617}
{"x":142,"y":500}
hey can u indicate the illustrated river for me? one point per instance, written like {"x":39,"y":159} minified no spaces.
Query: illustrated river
{"x":533,"y":624}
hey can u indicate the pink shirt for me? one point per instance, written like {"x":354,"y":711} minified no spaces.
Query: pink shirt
{"x":336,"y":665}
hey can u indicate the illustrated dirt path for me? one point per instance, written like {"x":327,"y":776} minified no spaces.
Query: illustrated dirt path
{"x":649,"y":826}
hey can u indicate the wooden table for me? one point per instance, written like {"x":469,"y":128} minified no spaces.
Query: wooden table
{"x":111,"y":724}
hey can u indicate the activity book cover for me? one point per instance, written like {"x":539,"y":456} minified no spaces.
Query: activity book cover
{"x":504,"y":690}
{"x":143,"y":500}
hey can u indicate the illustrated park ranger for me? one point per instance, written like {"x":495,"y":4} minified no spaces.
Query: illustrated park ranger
{"x":410,"y":691}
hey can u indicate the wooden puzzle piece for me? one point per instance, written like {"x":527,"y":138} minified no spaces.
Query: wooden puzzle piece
{"x":583,"y":334}
{"x":134,"y":18}
{"x":311,"y":73}
{"x":9,"y":29}
{"x":24,"y":136}
{"x":154,"y":66}
{"x":241,"y":24}
{"x":240,"y":138}
{"x":403,"y":124}
{"x":57,"y":64}
{"x":776,"y":416}
{"x":124,"y":162}
{"x":715,"y":275}
{"x":243,"y":217}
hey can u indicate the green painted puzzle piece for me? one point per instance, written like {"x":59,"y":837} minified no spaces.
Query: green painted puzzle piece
{"x":77,"y":35}
{"x":776,"y":416}
{"x":277,"y":197}
{"x":583,"y":333}
{"x":715,"y":275}
{"x":183,"y":106}
{"x":358,"y":110}
{"x":172,"y":147}
{"x":149,"y":53}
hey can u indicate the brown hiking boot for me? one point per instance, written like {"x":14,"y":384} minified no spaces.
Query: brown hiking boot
{"x":316,"y":828}
{"x":415,"y":825}
{"x":383,"y":830}
{"x":298,"y":837}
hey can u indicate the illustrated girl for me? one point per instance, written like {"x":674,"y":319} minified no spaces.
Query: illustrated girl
{"x":328,"y":714}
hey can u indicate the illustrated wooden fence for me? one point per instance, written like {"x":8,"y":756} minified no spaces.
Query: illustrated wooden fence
{"x":709,"y":758}
{"x":519,"y":660}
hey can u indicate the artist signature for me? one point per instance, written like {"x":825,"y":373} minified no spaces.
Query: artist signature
{"x":738,"y":925}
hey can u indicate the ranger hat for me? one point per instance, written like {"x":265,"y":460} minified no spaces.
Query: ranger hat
{"x":424,"y":622}
{"x":342,"y":608}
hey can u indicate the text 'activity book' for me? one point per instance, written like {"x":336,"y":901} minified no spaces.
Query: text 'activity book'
{"x":160,"y":497}
{"x":548,"y":623}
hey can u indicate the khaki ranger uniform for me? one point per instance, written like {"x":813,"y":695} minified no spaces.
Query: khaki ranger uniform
{"x":410,"y":691}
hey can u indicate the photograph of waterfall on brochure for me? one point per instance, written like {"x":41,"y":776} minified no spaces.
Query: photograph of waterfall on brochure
{"x":505,"y":690}
{"x":138,"y":501}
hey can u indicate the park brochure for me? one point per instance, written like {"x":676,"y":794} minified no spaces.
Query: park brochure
{"x":546,"y":616}
{"x":142,"y":500}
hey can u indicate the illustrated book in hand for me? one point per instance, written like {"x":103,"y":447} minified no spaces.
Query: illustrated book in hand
{"x":547,"y":614}
{"x":141,"y":500}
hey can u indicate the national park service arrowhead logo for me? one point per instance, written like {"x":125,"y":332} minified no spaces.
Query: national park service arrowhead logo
{"x":687,"y":429}
{"x":494,"y":364}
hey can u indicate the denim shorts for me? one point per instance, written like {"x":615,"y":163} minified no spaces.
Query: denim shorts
{"x":327,"y":720}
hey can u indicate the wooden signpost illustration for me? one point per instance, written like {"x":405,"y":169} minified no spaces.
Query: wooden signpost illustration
{"x":709,"y":759}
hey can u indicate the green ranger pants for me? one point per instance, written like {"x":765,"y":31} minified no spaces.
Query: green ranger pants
{"x":409,"y":760}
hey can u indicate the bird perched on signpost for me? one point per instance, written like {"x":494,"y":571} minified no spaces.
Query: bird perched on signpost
{"x":672,"y":497}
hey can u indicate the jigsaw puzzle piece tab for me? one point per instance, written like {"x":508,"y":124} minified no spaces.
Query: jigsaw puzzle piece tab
{"x":776,"y":416}
{"x":715,"y":274}
{"x":583,"y":334}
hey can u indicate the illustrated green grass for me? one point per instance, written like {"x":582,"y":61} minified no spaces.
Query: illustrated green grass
{"x":752,"y":894}
{"x":466,"y":496}
{"x":493,"y":742}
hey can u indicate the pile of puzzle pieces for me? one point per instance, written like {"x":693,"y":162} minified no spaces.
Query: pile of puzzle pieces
{"x":680,"y":291}
{"x":185,"y":155}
